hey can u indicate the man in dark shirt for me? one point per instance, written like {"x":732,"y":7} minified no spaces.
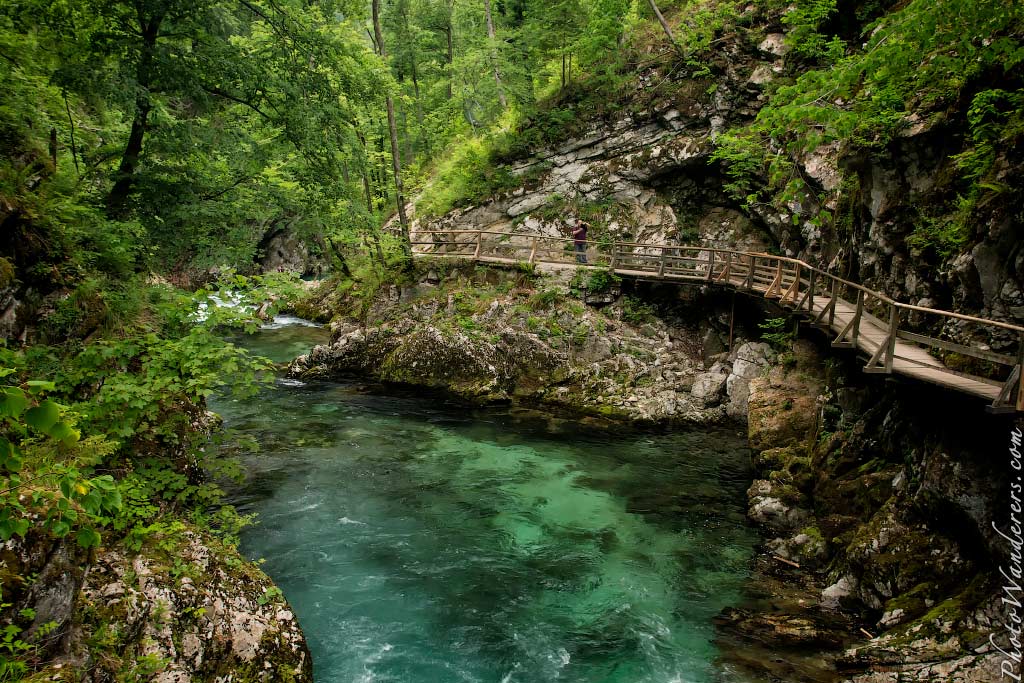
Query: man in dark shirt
{"x":579,"y":236}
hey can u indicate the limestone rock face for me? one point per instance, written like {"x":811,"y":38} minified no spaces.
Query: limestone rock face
{"x":883,"y":501}
{"x":283,"y":251}
{"x":509,"y":347}
{"x":213,"y":621}
{"x":192,"y":611}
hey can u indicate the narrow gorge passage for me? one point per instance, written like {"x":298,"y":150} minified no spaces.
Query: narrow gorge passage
{"x":420,"y":541}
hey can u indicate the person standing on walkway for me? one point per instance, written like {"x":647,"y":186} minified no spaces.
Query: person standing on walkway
{"x":579,"y":236}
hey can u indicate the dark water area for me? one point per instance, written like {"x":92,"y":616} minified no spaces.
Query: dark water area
{"x":421,"y":541}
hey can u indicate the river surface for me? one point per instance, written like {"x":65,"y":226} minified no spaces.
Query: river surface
{"x":420,"y":541}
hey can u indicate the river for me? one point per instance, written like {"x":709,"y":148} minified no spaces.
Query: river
{"x":421,"y":541}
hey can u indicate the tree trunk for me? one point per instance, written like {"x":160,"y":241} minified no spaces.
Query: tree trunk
{"x":117,"y":199}
{"x":396,"y":161}
{"x":345,"y":270}
{"x":451,"y":49}
{"x":664,"y":24}
{"x":494,"y":55}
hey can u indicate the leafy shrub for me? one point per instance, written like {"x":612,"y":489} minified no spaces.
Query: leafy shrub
{"x":636,"y":311}
{"x":776,"y":332}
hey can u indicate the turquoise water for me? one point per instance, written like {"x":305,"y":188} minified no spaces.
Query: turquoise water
{"x":424,"y":542}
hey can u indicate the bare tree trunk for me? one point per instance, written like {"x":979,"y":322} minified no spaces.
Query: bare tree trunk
{"x":450,"y":35}
{"x":451,"y":62}
{"x":74,"y":147}
{"x":117,"y":198}
{"x":664,"y":24}
{"x":494,"y":55}
{"x":396,"y":161}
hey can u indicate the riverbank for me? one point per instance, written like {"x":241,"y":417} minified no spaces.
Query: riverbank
{"x":568,"y":340}
{"x":863,"y":572}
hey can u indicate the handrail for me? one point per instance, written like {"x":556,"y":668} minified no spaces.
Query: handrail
{"x":755,"y":255}
{"x":793,"y":282}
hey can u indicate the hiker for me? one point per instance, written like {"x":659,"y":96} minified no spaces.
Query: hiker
{"x":579,"y":236}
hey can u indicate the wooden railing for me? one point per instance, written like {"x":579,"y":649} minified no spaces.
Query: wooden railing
{"x":864,"y":319}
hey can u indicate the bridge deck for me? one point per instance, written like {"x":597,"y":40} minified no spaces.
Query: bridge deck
{"x":831,"y":303}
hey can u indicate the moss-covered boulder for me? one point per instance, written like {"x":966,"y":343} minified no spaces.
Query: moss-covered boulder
{"x":186,"y":609}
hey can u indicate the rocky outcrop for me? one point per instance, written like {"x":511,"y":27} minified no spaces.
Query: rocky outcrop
{"x":184,"y":609}
{"x":539,"y":344}
{"x":282,"y":250}
{"x":877,"y":497}
{"x":645,"y":176}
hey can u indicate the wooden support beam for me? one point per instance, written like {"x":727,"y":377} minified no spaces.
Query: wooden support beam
{"x":882,"y":360}
{"x":857,"y":316}
{"x":776,"y":284}
{"x":1004,"y":402}
{"x":832,"y":308}
{"x":794,"y":289}
{"x":726,"y":272}
{"x":533,"y":251}
{"x":894,"y":329}
{"x":479,"y":240}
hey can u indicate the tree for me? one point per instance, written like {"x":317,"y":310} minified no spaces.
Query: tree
{"x":396,"y":161}
{"x":494,"y":55}
{"x":664,"y":24}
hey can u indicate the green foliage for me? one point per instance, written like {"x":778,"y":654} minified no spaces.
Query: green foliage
{"x":272,"y":594}
{"x":805,"y":20}
{"x":593,"y":281}
{"x":637,"y":311}
{"x":776,"y":332}
{"x":544,"y":299}
{"x":60,"y":498}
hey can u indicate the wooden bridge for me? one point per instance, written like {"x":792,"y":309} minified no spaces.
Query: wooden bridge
{"x":860,"y":318}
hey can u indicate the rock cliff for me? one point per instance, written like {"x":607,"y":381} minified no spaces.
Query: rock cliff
{"x":185,"y":608}
{"x":885,"y":504}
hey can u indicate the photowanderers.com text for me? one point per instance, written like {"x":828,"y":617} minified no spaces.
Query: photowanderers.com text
{"x":1008,"y":642}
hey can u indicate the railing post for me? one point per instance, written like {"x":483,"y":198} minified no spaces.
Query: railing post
{"x":856,"y":318}
{"x":750,"y":272}
{"x":894,"y":326}
{"x":810,"y":293}
{"x":661,"y":265}
{"x":615,"y":256}
{"x":533,"y":250}
{"x":794,"y":291}
{"x":711,"y":264}
{"x":727,"y":273}
{"x":832,"y":304}
{"x":479,"y":240}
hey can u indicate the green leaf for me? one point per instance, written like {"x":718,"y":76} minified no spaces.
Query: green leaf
{"x":13,"y":401}
{"x":87,"y":538}
{"x":41,"y":385}
{"x":43,"y":417}
{"x":60,"y":528}
{"x":64,"y":433}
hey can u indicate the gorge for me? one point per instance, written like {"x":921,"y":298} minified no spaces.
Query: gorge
{"x":766,"y":433}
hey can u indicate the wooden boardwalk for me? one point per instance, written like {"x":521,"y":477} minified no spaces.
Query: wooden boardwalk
{"x":859,"y":318}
